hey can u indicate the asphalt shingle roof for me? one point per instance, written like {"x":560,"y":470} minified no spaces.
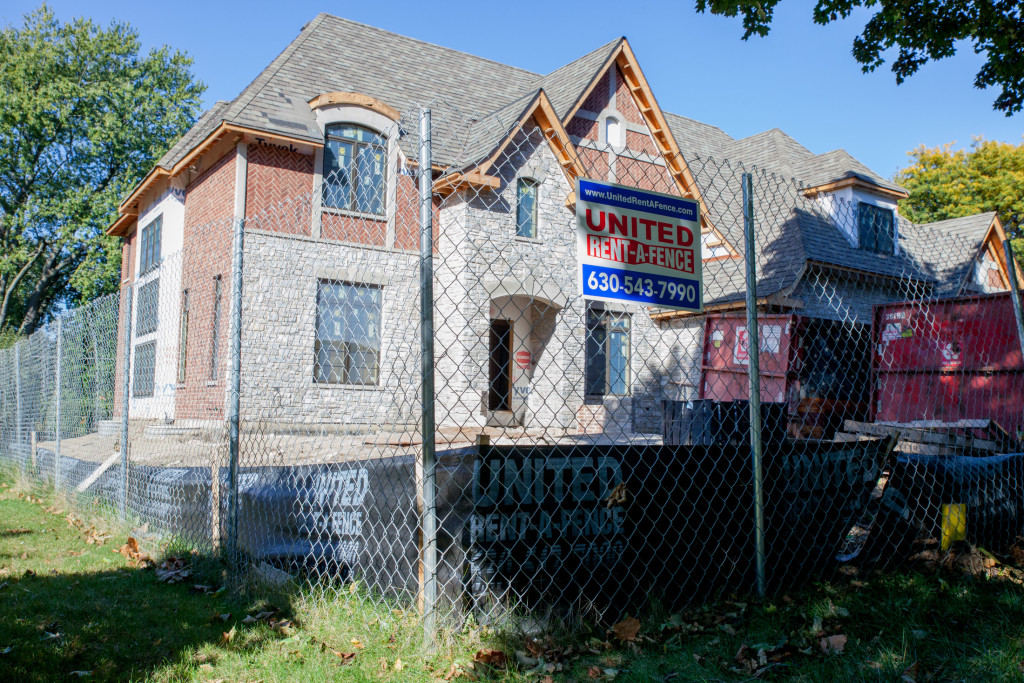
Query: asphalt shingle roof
{"x":476,"y":101}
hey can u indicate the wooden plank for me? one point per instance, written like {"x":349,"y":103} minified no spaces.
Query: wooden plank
{"x":922,"y":435}
{"x":91,"y":479}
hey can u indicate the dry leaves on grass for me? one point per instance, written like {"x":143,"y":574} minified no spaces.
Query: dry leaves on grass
{"x":227,"y":636}
{"x":131,"y":550}
{"x":262,"y":616}
{"x":495,"y":658}
{"x":627,"y":629}
{"x":173,"y":570}
{"x":833,"y":644}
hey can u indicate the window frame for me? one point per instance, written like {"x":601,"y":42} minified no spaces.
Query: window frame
{"x":183,"y":337}
{"x":598,"y":319}
{"x":322,"y":373}
{"x":358,"y":148}
{"x":873,"y":244}
{"x":149,"y":249}
{"x":215,"y":326}
{"x":147,"y":309}
{"x":521,"y":183}
{"x":144,"y":362}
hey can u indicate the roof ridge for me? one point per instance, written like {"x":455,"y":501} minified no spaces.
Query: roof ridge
{"x":327,"y":15}
{"x":605,"y":46}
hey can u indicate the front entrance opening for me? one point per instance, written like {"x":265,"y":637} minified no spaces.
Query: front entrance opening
{"x":499,"y":394}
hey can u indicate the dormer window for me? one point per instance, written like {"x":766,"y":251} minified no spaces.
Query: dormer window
{"x":526,"y":208}
{"x":355,"y":168}
{"x":876,"y":228}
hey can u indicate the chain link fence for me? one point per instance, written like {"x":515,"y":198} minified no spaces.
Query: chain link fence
{"x":396,"y":380}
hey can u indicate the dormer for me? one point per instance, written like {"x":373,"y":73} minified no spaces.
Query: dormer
{"x":866,"y":212}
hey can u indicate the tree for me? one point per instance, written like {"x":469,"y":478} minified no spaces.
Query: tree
{"x":83,"y":116}
{"x":949,"y":184}
{"x":922,"y":30}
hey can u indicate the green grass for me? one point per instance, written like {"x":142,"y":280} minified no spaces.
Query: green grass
{"x":69,"y":606}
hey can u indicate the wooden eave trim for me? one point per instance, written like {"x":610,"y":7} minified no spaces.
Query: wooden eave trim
{"x":812,"y":192}
{"x":555,"y":134}
{"x":357,"y":100}
{"x":662,"y":135}
{"x":120,"y":227}
{"x":446,"y":185}
{"x":126,"y":207}
{"x":866,"y":273}
{"x":994,"y":239}
{"x":612,"y":59}
{"x":713,"y":308}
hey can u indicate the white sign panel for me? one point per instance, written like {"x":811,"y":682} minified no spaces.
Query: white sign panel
{"x":638,"y":246}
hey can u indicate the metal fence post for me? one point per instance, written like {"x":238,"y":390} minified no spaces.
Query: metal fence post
{"x":429,"y":520}
{"x":122,"y":504}
{"x":1011,"y":271}
{"x":17,"y":392}
{"x":234,"y":388}
{"x":754,"y":374}
{"x":56,"y":449}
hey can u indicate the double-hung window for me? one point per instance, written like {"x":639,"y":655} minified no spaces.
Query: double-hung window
{"x":607,"y":353}
{"x":149,"y":249}
{"x":526,"y":208}
{"x":875,"y":228}
{"x":355,"y":169}
{"x":348,"y":330}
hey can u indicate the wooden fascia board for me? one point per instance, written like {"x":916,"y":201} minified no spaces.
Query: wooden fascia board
{"x":713,"y":308}
{"x":355,"y":99}
{"x":553,"y":131}
{"x":120,"y":227}
{"x":812,"y":192}
{"x":994,"y":239}
{"x":444,"y":186}
{"x":662,"y":135}
{"x":215,"y":136}
{"x":612,"y":59}
{"x":865,"y":274}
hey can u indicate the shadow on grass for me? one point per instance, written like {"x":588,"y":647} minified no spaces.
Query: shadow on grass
{"x":121,"y":623}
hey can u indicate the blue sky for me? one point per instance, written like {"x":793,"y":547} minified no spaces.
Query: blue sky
{"x":801,"y":78}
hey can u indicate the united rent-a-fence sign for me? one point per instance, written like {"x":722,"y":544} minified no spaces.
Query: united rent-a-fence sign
{"x":638,"y":246}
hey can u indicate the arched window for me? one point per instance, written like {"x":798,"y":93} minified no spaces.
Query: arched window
{"x":526,"y":208}
{"x":355,"y":169}
{"x":613,"y":131}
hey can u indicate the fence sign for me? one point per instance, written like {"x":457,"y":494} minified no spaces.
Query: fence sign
{"x":638,"y":246}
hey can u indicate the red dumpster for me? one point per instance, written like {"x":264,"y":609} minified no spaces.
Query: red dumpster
{"x":948,"y":359}
{"x":818,"y":368}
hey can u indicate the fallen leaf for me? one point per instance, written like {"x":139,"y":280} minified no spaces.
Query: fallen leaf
{"x":398,"y":665}
{"x":495,"y":658}
{"x":910,"y":673}
{"x":6,"y":650}
{"x":249,"y":619}
{"x":383,"y":664}
{"x":627,"y":629}
{"x":617,"y":496}
{"x":220,"y":617}
{"x":526,"y":661}
{"x":345,"y":657}
{"x":355,"y":641}
{"x":833,"y":644}
{"x":595,"y":672}
{"x":227,"y":636}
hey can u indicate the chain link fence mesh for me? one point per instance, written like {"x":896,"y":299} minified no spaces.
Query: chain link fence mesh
{"x":585,"y":455}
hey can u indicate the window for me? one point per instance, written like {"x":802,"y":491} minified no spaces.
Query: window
{"x":875,"y":228}
{"x":145,"y":370}
{"x":607,"y":353}
{"x":354,"y":169}
{"x":526,"y":208}
{"x":215,"y":342}
{"x":613,"y":131}
{"x":183,"y":337}
{"x":348,"y":320}
{"x":149,"y":303}
{"x":149,"y":250}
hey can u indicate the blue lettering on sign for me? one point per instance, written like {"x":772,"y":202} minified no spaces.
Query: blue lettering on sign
{"x":638,"y":200}
{"x":648,"y":288}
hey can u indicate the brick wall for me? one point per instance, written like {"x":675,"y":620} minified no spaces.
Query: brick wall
{"x":209,"y":210}
{"x":278,"y":189}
